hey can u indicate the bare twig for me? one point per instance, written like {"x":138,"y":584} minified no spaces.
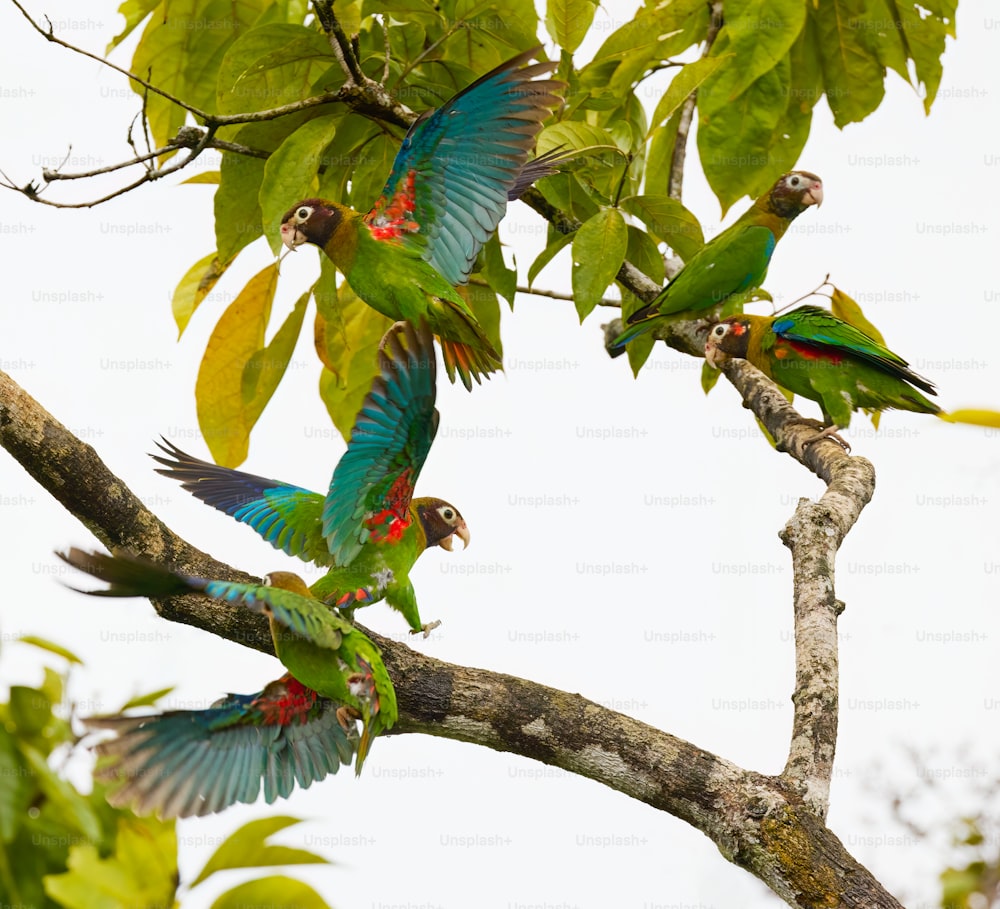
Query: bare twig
{"x":676,"y":178}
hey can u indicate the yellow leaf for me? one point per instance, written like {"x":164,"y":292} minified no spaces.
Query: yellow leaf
{"x":238,"y":335}
{"x":208,"y":176}
{"x":196,"y":284}
{"x":847,"y":309}
{"x":975,"y":417}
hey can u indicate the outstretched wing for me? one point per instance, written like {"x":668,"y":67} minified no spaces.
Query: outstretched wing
{"x":186,"y":763}
{"x":822,"y":330}
{"x":130,"y":576}
{"x":450,"y":181}
{"x":287,"y":516}
{"x":372,"y":485}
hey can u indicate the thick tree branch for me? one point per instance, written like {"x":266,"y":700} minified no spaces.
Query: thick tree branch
{"x":768,"y":825}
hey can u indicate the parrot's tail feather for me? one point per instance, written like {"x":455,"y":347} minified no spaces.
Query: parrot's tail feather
{"x":630,"y":334}
{"x":468,"y":362}
{"x":364,"y":744}
{"x":127,"y":575}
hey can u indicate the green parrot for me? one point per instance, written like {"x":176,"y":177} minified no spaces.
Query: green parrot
{"x":448,"y":189}
{"x":812,"y":353}
{"x":368,"y":529}
{"x":733,"y":263}
{"x":324,"y":653}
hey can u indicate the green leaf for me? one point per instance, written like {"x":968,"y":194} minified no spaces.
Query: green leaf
{"x":146,"y":700}
{"x":598,"y":252}
{"x":181,"y":51}
{"x":273,"y":65}
{"x":30,"y":709}
{"x":688,"y":78}
{"x":667,"y":222}
{"x":248,"y":848}
{"x":843,"y":307}
{"x":735,"y":137}
{"x":263,"y":371}
{"x":44,"y":644}
{"x":486,"y":308}
{"x":237,"y":210}
{"x":276,"y":892}
{"x":501,"y":278}
{"x":852,"y":73}
{"x":140,"y":874}
{"x":206,"y":176}
{"x":16,"y":786}
{"x":134,"y":12}
{"x":237,"y":336}
{"x":196,"y":284}
{"x":760,"y":33}
{"x":72,"y":809}
{"x":568,"y":194}
{"x":348,"y":332}
{"x":547,"y":255}
{"x":709,"y":376}
{"x":568,"y":21}
{"x":369,"y":175}
{"x":644,"y":255}
{"x":657,"y":32}
{"x":290,"y":173}
{"x":924,"y":31}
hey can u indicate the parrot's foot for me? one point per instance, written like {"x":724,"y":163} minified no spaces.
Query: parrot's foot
{"x":426,"y":629}
{"x":832,"y":433}
{"x":347,"y":715}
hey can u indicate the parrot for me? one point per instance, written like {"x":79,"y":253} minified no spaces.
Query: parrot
{"x":336,"y":676}
{"x":446,"y":193}
{"x":813,"y":353}
{"x":368,"y":529}
{"x":732,"y":263}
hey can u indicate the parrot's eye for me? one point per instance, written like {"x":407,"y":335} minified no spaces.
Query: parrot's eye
{"x":447,"y":513}
{"x":794,"y":181}
{"x":267,"y":581}
{"x":303,"y":213}
{"x":719,"y":331}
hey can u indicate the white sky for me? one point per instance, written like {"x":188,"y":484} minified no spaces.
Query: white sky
{"x":674,"y":610}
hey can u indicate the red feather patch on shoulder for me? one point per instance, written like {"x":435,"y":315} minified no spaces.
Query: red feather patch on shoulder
{"x":806,"y":351}
{"x":389,"y":219}
{"x":292,"y":706}
{"x":389,"y":524}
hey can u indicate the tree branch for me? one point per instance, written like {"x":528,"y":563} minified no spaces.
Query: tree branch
{"x":676,"y":179}
{"x":771,"y":826}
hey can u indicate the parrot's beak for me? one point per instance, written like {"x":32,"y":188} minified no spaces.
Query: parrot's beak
{"x":291,"y":237}
{"x":814,"y":195}
{"x":713,"y":355}
{"x":462,"y":531}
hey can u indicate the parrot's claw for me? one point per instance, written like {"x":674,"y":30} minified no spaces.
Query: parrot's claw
{"x":426,"y":629}
{"x":347,"y":715}
{"x":832,"y":433}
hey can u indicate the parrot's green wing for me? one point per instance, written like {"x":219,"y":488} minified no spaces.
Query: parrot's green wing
{"x":832,"y":337}
{"x":372,"y":485}
{"x":459,"y":164}
{"x":288,"y":517}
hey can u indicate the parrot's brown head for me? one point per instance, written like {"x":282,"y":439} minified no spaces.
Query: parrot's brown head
{"x":442,"y":523}
{"x":794,"y":193}
{"x":287,"y":580}
{"x":310,"y":221}
{"x":729,"y":338}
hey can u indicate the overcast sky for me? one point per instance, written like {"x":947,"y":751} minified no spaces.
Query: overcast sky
{"x":624,"y":533}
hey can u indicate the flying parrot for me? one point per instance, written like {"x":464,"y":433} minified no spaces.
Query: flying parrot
{"x":448,"y":189}
{"x":298,"y":729}
{"x":732,"y":263}
{"x":368,"y":528}
{"x":812,"y":353}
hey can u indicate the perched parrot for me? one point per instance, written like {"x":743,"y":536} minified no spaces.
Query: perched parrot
{"x":448,"y":189}
{"x":368,"y":528}
{"x":298,"y":729}
{"x":734,"y":262}
{"x":812,"y":353}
